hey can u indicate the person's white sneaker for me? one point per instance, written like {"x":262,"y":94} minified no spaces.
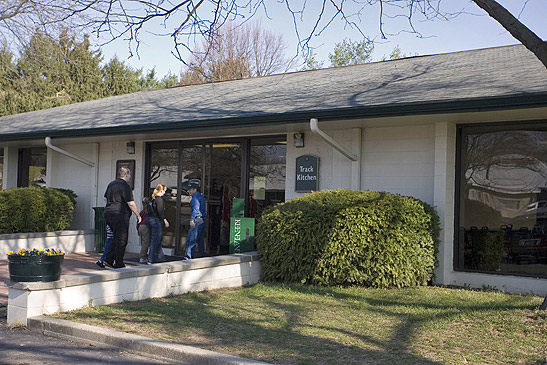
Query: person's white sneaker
{"x":144,"y":261}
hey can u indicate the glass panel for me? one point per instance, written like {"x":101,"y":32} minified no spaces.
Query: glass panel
{"x":223,"y":183}
{"x":503,"y":202}
{"x":37,"y":167}
{"x":266,"y":175}
{"x":32,"y":167}
{"x":192,"y":162}
{"x":163,"y":170}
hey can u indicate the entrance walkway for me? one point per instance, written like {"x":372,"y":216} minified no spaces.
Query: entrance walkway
{"x":74,"y":263}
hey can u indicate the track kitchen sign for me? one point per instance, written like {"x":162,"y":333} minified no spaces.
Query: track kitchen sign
{"x":307,"y":167}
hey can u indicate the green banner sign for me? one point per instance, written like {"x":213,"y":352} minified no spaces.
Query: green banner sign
{"x":242,"y":234}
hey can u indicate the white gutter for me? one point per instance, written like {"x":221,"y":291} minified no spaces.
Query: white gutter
{"x":77,"y":158}
{"x":315,"y":129}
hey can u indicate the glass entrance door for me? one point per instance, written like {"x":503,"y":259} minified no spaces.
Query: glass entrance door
{"x":253,"y":169}
{"x":163,"y":165}
{"x":222,"y":184}
{"x":191,"y":168}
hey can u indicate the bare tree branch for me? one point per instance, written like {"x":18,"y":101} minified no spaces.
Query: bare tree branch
{"x":518,"y":30}
{"x":188,"y":22}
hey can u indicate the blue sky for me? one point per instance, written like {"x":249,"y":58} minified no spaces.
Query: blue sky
{"x":472,"y":29}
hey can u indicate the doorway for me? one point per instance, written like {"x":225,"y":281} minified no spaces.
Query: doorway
{"x":253,"y":169}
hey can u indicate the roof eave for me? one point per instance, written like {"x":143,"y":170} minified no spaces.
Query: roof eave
{"x":523,"y":101}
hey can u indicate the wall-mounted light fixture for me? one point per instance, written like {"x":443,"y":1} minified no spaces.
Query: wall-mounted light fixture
{"x":130,"y":148}
{"x":298,"y":139}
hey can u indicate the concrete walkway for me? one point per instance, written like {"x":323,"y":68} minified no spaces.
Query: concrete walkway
{"x":74,"y":263}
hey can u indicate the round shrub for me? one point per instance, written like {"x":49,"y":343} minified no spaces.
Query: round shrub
{"x":345,"y":237}
{"x":35,"y":209}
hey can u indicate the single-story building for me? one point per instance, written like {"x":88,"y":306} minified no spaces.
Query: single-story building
{"x":465,"y":132}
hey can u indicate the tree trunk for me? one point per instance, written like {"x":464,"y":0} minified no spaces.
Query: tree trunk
{"x":518,"y":30}
{"x":543,"y":307}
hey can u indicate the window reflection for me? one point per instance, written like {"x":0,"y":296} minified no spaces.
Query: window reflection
{"x":223,"y":164}
{"x":266,"y":175}
{"x":503,"y":201}
{"x":32,"y":167}
{"x":163,"y":170}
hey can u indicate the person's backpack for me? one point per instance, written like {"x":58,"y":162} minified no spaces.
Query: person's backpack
{"x":148,"y":206}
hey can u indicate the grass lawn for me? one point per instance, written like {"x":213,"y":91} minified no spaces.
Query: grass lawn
{"x":295,"y":324}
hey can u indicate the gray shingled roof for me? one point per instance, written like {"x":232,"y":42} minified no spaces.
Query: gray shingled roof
{"x":504,"y":77}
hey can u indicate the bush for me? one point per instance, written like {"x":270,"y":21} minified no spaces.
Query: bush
{"x":35,"y":209}
{"x":342,"y":237}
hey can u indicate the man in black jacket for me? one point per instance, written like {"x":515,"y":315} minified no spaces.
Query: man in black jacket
{"x":119,"y":205}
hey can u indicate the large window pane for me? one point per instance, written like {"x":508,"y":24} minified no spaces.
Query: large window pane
{"x":503,"y":200}
{"x":32,"y":166}
{"x":223,"y":184}
{"x":267,"y":174}
{"x":163,"y":170}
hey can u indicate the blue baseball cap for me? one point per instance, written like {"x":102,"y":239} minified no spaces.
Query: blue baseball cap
{"x":193,"y":184}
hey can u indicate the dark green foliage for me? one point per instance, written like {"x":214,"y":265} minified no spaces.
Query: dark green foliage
{"x":69,"y":193}
{"x":35,"y":209}
{"x":486,"y":249}
{"x":52,"y":72}
{"x":343,"y":237}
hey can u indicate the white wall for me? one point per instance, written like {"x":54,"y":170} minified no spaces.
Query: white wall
{"x":400,"y":160}
{"x":334,"y":168}
{"x":11,"y":155}
{"x":90,"y":183}
{"x":68,"y":173}
{"x":394,"y":159}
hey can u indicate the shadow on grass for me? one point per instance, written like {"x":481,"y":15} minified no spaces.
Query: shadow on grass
{"x":279,"y":326}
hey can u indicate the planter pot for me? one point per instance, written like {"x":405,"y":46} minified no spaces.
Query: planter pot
{"x":35,"y":268}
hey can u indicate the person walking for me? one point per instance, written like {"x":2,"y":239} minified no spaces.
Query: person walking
{"x":198,"y":213}
{"x":156,"y":219}
{"x":119,"y":205}
{"x":144,"y":233}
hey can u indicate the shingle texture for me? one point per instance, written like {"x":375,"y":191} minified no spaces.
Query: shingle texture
{"x":472,"y":75}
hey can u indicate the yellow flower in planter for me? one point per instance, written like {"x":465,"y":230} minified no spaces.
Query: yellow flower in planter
{"x":37,"y":252}
{"x":37,"y":264}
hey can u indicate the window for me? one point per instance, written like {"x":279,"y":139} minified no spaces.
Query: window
{"x":502,"y":200}
{"x":267,"y":174}
{"x":32,"y":167}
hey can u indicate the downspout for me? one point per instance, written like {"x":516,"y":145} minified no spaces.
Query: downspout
{"x":355,"y":158}
{"x":337,"y":146}
{"x":63,"y":152}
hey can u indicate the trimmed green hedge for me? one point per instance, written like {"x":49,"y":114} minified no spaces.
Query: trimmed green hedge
{"x":344,"y":237}
{"x":35,"y":209}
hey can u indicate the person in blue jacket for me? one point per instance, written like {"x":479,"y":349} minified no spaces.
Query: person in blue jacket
{"x":198,"y":214}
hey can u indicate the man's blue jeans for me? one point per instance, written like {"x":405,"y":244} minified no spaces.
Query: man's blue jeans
{"x":195,"y":236}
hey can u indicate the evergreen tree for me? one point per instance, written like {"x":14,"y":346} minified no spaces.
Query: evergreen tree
{"x":311,"y":63}
{"x":351,"y":53}
{"x":121,"y":79}
{"x":52,"y":72}
{"x":9,"y":99}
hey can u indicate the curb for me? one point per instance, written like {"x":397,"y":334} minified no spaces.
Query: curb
{"x":138,"y":344}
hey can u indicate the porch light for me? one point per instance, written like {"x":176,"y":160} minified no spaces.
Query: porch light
{"x":298,"y":139}
{"x":130,"y":147}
